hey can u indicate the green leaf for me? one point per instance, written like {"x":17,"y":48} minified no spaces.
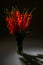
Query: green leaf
{"x":6,"y":9}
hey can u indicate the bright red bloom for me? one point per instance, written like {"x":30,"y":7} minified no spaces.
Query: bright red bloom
{"x":18,"y":21}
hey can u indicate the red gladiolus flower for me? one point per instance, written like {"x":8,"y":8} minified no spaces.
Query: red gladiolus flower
{"x":9,"y":22}
{"x":18,"y":14}
{"x":29,"y":20}
{"x":12,"y":12}
{"x":18,"y":21}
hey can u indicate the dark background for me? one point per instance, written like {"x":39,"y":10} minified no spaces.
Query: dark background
{"x":36,"y":26}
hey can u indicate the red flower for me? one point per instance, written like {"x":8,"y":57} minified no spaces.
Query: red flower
{"x":18,"y":21}
{"x":12,"y":12}
{"x":18,"y":14}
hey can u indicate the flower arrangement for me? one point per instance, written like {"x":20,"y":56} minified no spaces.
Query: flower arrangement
{"x":17,"y":24}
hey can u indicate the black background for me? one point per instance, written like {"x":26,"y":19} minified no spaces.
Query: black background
{"x":36,"y":26}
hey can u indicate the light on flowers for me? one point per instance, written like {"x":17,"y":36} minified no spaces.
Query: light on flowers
{"x":18,"y":21}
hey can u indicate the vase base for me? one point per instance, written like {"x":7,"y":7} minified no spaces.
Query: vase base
{"x":19,"y":52}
